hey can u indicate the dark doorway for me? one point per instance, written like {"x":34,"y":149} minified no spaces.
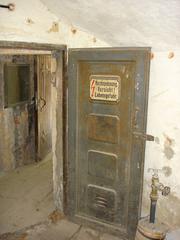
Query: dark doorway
{"x":28,"y":74}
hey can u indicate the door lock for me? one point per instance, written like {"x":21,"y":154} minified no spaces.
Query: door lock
{"x":143,"y":136}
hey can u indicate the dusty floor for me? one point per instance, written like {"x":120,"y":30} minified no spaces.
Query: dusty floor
{"x":61,"y":230}
{"x":26,"y":196}
{"x":26,"y":207}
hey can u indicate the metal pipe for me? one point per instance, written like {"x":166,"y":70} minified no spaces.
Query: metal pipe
{"x":10,"y":6}
{"x":156,"y":186}
{"x":152,"y":211}
{"x":4,"y":6}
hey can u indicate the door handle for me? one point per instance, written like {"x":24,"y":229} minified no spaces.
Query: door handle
{"x":41,"y":103}
{"x":143,"y":136}
{"x":135,"y":117}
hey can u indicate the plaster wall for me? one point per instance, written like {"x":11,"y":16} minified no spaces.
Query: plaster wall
{"x":32,"y":21}
{"x":164,"y":124}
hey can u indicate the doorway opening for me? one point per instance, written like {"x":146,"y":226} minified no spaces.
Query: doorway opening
{"x":31,"y":100}
{"x":91,"y":177}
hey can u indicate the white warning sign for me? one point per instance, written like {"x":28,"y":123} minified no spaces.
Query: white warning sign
{"x":105,"y":88}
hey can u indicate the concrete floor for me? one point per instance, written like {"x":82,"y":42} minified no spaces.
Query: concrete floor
{"x":61,"y":230}
{"x":26,"y":196}
{"x":27,"y":209}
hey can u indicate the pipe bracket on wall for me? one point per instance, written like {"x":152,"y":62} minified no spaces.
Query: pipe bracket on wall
{"x":10,"y":6}
{"x":145,"y":137}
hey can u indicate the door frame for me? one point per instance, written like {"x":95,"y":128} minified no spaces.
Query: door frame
{"x":59,"y":109}
{"x":142,"y":56}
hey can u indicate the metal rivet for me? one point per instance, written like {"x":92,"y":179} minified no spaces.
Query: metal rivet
{"x":11,"y":6}
{"x":73,"y":30}
{"x":170,"y":55}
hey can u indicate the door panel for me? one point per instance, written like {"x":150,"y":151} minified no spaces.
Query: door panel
{"x":107,"y":104}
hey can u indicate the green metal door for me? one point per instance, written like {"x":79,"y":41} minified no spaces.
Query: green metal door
{"x":107,"y":106}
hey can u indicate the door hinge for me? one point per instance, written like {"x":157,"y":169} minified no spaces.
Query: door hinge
{"x":143,"y":136}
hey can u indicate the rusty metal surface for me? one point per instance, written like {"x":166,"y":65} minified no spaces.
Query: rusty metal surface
{"x":101,"y":164}
{"x":103,"y":128}
{"x":105,"y":160}
{"x":147,"y":230}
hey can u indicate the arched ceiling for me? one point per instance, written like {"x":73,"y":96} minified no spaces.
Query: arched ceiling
{"x":153,"y":23}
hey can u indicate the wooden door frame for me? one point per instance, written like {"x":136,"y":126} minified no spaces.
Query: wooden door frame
{"x":59,"y":121}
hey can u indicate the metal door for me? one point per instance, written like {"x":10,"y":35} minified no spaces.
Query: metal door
{"x":107,"y":96}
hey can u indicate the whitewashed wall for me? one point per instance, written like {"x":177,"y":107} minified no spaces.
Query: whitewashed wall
{"x":33,"y":22}
{"x":164,"y":124}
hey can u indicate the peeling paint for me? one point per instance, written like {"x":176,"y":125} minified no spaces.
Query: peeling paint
{"x":73,"y":30}
{"x":167,"y":171}
{"x":54,"y":27}
{"x":15,"y":28}
{"x":168,"y":150}
{"x":29,"y":21}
